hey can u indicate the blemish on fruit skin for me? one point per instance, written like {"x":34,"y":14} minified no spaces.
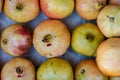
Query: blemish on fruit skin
{"x":51,"y":63}
{"x":19,"y":70}
{"x":111,"y":19}
{"x":47,"y":38}
{"x":82,"y":71}
{"x":19,"y":7}
{"x":90,"y":37}
{"x":48,"y":45}
{"x":50,"y":54}
{"x":5,"y":41}
{"x":40,"y":75}
{"x":19,"y":76}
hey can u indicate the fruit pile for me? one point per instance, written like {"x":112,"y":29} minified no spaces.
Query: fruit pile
{"x":51,"y":38}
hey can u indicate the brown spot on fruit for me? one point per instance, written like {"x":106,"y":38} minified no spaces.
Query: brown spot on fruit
{"x":40,"y":75}
{"x":90,"y":37}
{"x":19,"y":70}
{"x":82,"y":71}
{"x":51,"y":63}
{"x":111,"y":19}
{"x":19,"y":7}
{"x":48,"y":45}
{"x":47,"y":38}
{"x":5,"y":41}
{"x":19,"y":76}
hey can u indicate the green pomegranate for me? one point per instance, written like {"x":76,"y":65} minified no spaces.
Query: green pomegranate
{"x":55,"y":69}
